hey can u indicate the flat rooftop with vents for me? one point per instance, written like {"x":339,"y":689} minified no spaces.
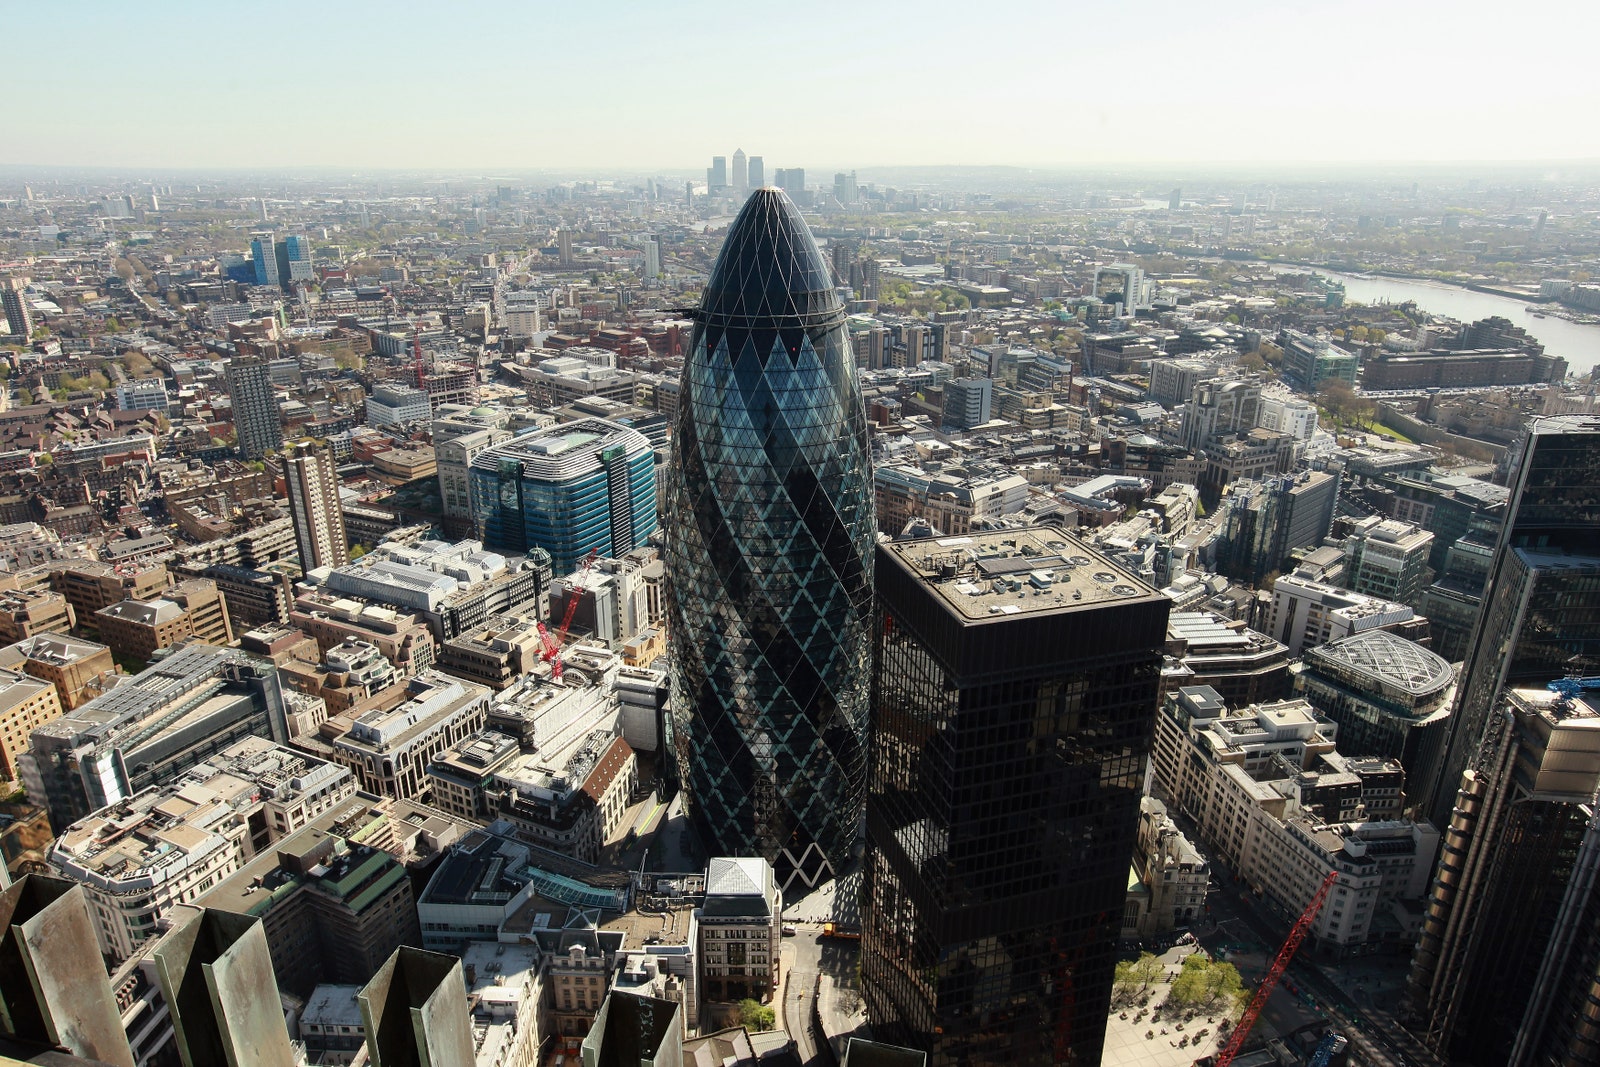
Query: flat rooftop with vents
{"x":1013,"y":572}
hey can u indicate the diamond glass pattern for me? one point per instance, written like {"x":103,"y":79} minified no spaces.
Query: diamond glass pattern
{"x":770,"y":537}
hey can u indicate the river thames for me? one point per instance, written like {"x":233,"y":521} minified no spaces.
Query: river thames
{"x":1579,"y":345}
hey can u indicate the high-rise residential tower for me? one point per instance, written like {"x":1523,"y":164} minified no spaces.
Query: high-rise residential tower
{"x":1016,"y":675}
{"x":255,"y":409}
{"x":313,"y":486}
{"x":294,"y":259}
{"x":1541,"y":604}
{"x":651,"y":245}
{"x":14,"y":302}
{"x":265,"y":255}
{"x":770,"y":535}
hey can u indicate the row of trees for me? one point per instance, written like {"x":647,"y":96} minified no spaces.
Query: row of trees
{"x":904,"y":296}
{"x":1341,"y":403}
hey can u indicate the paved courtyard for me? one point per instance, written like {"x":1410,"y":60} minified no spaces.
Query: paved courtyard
{"x":1127,"y":1045}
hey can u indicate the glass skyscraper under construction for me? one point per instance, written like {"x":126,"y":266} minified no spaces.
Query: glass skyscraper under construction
{"x":770,"y":537}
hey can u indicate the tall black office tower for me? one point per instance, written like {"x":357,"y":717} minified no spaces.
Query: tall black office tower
{"x":1541,"y":604}
{"x":770,"y":529}
{"x":1012,"y":714}
{"x":1507,"y":968}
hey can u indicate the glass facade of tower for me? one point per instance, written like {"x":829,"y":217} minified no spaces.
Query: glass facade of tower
{"x":1011,"y":725}
{"x":579,"y":487}
{"x":770,"y":532}
{"x":265,"y":257}
{"x":1541,"y":614}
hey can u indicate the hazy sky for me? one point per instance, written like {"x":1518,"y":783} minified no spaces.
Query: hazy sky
{"x":566,"y":84}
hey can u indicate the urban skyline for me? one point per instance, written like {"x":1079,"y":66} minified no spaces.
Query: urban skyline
{"x":617,"y":613}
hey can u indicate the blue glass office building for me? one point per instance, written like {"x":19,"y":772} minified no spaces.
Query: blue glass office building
{"x":582,"y":486}
{"x":265,"y":258}
{"x":770,"y":538}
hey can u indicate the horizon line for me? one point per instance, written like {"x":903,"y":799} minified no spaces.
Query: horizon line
{"x":1198,"y":167}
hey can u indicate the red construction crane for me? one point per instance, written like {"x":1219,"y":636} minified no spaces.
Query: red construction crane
{"x":552,"y":644}
{"x":1062,"y":976}
{"x":1297,"y":934}
{"x":416,"y":355}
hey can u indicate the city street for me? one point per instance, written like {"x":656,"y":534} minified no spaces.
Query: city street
{"x":1311,"y":988}
{"x":801,"y":958}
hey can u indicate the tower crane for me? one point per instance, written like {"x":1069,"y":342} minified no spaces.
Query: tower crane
{"x":1571,"y":687}
{"x":1297,"y":934}
{"x":552,"y":643}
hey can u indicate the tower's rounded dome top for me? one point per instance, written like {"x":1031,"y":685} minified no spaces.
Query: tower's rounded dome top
{"x":770,"y":268}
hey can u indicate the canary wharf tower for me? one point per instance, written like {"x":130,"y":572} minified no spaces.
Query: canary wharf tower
{"x":770,"y":535}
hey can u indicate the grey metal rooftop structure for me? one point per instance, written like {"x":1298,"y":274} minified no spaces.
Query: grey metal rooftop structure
{"x":1389,"y":661}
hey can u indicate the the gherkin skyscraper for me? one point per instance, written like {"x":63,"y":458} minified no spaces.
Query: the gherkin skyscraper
{"x":770,"y":535}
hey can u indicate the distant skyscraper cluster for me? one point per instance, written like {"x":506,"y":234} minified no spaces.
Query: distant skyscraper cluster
{"x":747,"y":173}
{"x":280,"y":262}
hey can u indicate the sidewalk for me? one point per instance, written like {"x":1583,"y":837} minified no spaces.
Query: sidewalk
{"x":843,"y":1014}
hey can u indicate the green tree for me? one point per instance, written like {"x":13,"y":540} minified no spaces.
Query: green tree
{"x":1148,"y":968}
{"x":1339,"y":400}
{"x":1205,"y":983}
{"x":1189,"y":988}
{"x":1223,"y":981}
{"x":756,"y":1016}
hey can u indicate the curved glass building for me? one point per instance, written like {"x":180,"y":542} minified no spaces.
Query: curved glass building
{"x":770,"y":538}
{"x":571,"y":489}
